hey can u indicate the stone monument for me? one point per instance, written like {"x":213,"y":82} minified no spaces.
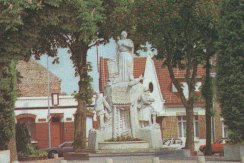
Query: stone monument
{"x":125,"y":109}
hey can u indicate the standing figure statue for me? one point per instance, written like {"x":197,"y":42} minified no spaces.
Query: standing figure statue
{"x":145,"y":109}
{"x":125,"y":52}
{"x":102,"y":109}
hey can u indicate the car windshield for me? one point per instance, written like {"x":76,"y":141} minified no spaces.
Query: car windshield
{"x":166,"y":141}
{"x":66,"y":144}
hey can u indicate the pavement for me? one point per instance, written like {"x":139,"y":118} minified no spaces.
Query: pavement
{"x":170,"y":157}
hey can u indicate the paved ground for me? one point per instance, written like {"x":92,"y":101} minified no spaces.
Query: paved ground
{"x":175,"y":158}
{"x":145,"y":159}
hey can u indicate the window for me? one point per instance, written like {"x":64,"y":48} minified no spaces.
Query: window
{"x":224,"y":130}
{"x":55,"y":99}
{"x":150,"y":86}
{"x":56,"y":119}
{"x":182,"y":126}
{"x":30,"y":124}
{"x":185,"y":87}
{"x":198,"y":86}
{"x":174,"y":88}
{"x":196,"y":127}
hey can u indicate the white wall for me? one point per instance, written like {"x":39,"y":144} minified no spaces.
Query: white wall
{"x":39,"y":107}
{"x":150,"y":75}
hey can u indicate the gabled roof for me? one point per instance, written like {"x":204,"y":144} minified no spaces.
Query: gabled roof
{"x":34,"y":80}
{"x":172,"y":99}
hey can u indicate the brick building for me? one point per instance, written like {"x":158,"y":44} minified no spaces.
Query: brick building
{"x":172,"y":116}
{"x":31,"y":107}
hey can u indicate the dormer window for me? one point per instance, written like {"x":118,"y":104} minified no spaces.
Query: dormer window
{"x":184,"y":86}
{"x":150,"y":86}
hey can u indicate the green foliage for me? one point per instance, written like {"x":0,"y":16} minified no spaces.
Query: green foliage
{"x":17,"y":33}
{"x":7,"y":102}
{"x":32,"y":151}
{"x":22,"y":137}
{"x":119,"y":17}
{"x":23,"y":143}
{"x":123,"y":138}
{"x":183,"y":32}
{"x":73,"y":25}
{"x":230,"y":66}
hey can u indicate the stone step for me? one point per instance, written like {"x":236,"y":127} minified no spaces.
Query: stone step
{"x":124,"y":145}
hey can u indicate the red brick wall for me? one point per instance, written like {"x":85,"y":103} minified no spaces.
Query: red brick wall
{"x":68,"y":131}
{"x":34,"y":80}
{"x":42,"y":134}
{"x":202,"y":126}
{"x":169,"y":126}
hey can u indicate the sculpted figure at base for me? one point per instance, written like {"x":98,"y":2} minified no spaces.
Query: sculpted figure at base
{"x":145,"y":109}
{"x":102,"y":109}
{"x":125,"y":52}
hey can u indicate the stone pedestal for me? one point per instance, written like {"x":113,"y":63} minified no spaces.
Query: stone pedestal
{"x":233,"y":151}
{"x":125,"y":99}
{"x":96,"y":136}
{"x":152,"y":135}
{"x":5,"y":156}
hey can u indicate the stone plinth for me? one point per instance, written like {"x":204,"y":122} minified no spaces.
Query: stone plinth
{"x":5,"y":156}
{"x":152,"y":135}
{"x":126,"y":145}
{"x":96,"y":136}
{"x":233,"y":152}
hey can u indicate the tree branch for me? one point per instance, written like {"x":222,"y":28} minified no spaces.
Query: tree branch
{"x":176,"y":82}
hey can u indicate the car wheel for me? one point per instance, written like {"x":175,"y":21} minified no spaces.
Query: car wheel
{"x":51,"y":154}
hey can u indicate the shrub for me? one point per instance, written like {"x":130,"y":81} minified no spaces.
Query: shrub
{"x":22,"y":138}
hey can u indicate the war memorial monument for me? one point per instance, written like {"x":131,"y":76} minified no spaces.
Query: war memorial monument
{"x":124,"y":110}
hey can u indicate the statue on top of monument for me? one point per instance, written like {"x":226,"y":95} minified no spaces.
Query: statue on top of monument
{"x":125,"y":52}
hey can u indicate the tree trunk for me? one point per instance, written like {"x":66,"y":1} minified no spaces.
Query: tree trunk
{"x":188,"y":104}
{"x":80,"y":126}
{"x":190,"y":129}
{"x":207,"y":93}
{"x":13,"y":150}
{"x":80,"y":54}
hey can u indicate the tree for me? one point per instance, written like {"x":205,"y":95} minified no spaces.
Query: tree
{"x":16,"y":40}
{"x":7,"y":100}
{"x":72,"y":25}
{"x":23,"y":138}
{"x":230,"y":66}
{"x":209,"y":12}
{"x":179,"y":31}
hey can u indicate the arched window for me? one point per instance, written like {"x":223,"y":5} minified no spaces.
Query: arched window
{"x":150,"y":86}
{"x":30,"y":124}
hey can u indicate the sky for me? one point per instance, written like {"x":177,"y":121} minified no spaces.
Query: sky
{"x":65,"y":71}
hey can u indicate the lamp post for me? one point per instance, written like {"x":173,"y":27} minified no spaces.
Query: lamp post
{"x":48,"y":103}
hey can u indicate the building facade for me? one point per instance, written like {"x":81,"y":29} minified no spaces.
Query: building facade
{"x":171,"y":112}
{"x":31,"y":107}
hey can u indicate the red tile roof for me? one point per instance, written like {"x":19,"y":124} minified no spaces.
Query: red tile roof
{"x":139,"y":69}
{"x":172,"y":99}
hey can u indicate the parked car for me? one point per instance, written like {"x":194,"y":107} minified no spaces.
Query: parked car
{"x":173,"y":143}
{"x":60,"y":149}
{"x":217,"y":147}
